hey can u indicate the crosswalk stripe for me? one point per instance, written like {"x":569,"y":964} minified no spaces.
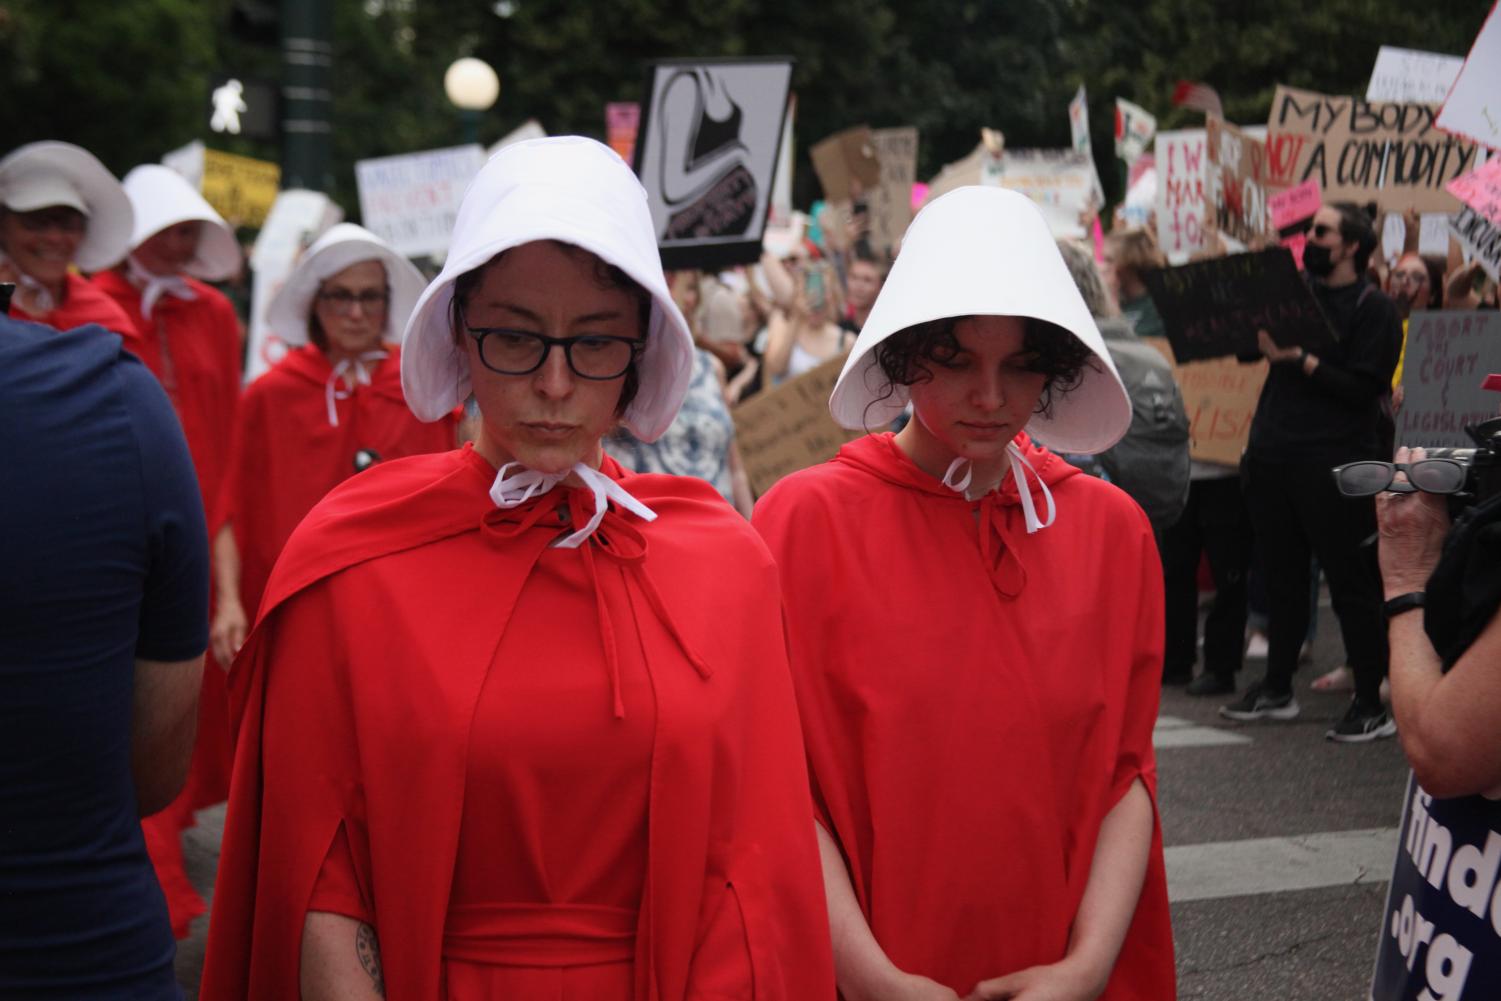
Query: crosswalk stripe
{"x":1196,"y":736}
{"x":1277,"y":865}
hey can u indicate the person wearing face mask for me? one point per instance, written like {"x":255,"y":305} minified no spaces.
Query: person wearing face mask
{"x":1316,"y":411}
{"x":490,"y":747}
{"x":60,"y":208}
{"x":976,"y":636}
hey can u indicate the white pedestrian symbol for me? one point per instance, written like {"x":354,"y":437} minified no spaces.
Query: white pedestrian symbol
{"x":229,"y":104}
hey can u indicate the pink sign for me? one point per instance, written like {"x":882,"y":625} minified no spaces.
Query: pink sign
{"x":1481,"y":190}
{"x":919,"y":195}
{"x":622,"y":119}
{"x":1295,"y":243}
{"x":1294,"y":204}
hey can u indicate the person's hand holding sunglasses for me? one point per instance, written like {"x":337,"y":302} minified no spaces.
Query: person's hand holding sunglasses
{"x":1411,"y":524}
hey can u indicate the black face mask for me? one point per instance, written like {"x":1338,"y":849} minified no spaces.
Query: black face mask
{"x":1316,"y":260}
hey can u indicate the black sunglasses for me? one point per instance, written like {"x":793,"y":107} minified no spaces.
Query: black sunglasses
{"x":1431,"y":476}
{"x":1319,"y":230}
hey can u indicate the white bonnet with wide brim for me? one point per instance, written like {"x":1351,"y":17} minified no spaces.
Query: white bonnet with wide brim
{"x":984,"y":251}
{"x":160,"y":197}
{"x":342,"y":246}
{"x":576,"y":191}
{"x":40,"y":175}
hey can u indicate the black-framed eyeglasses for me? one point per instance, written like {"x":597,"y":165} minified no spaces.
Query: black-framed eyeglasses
{"x":341,"y":300}
{"x":520,"y":352}
{"x":1431,"y":476}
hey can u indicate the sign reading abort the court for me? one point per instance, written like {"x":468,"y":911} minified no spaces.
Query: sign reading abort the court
{"x":1449,"y":354}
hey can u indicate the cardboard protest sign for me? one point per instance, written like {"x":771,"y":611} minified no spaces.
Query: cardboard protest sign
{"x":1060,"y":181}
{"x":1481,"y":190}
{"x":1449,"y":354}
{"x":412,"y":200}
{"x":1360,"y":151}
{"x":1481,"y":237}
{"x":296,"y":219}
{"x":846,"y":164}
{"x":1181,"y":159}
{"x":707,"y":156}
{"x":622,"y":121}
{"x":1220,"y":397}
{"x":1134,"y":129}
{"x":1439,"y":928}
{"x":788,"y":427}
{"x":240,"y":189}
{"x":1237,"y":181}
{"x":890,"y":202}
{"x":1473,"y":108}
{"x":1213,"y":308}
{"x":1411,"y":75}
{"x":985,"y":164}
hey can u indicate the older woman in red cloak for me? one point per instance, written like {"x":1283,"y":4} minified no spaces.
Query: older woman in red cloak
{"x":489,"y":745}
{"x":976,"y":636}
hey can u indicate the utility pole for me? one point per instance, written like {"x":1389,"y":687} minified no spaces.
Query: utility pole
{"x":306,"y":70}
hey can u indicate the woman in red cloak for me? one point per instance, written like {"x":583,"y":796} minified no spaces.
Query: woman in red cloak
{"x":489,"y":746}
{"x":976,"y":637}
{"x":330,"y":408}
{"x":59,"y":208}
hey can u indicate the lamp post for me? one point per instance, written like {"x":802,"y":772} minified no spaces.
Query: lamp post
{"x":473,"y":87}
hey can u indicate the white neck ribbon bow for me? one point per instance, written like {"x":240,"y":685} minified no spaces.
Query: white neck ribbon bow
{"x":352,"y":371}
{"x":1019,"y":469}
{"x":154,"y":286}
{"x":514,"y":489}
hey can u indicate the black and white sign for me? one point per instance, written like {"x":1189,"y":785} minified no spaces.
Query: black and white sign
{"x":707,"y":153}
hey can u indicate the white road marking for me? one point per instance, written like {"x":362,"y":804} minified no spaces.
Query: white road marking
{"x":1197,"y":736}
{"x":1172,"y":722}
{"x":1277,"y":865}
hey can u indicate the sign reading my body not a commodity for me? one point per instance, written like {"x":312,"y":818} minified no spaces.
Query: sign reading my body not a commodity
{"x":1390,"y":152}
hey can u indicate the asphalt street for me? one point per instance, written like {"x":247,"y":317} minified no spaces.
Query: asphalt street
{"x":1279,"y":844}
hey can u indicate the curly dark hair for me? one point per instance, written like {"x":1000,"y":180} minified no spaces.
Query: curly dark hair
{"x":904,"y":357}
{"x":606,"y":276}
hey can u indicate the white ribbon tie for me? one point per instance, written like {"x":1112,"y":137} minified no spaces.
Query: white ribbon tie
{"x":154,"y":286}
{"x":1019,"y":469}
{"x":514,"y":489}
{"x":353,"y":372}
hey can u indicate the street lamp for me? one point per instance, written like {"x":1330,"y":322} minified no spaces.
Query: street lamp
{"x":473,"y":87}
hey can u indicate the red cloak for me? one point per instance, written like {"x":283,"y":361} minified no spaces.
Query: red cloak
{"x":384,"y":740}
{"x":974,"y":701}
{"x":286,"y":455}
{"x":83,"y":303}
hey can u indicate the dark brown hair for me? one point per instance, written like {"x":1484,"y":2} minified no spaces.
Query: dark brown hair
{"x":606,"y":276}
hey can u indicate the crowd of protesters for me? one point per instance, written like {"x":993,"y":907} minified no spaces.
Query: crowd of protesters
{"x":531,"y":460}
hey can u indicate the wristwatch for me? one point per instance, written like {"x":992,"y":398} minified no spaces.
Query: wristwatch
{"x":1403,"y":603}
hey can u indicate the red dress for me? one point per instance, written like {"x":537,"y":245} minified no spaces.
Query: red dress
{"x":82,"y":303}
{"x":193,"y":349}
{"x":286,"y":455}
{"x":975,"y":700}
{"x":553,"y":773}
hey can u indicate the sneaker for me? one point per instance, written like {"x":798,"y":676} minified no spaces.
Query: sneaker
{"x":1212,"y":683}
{"x":1258,"y":703}
{"x":1361,"y":725}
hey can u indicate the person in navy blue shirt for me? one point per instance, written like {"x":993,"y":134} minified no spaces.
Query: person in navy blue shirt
{"x":103,"y":625}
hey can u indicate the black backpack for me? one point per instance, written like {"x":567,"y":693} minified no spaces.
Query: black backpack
{"x":1151,"y":462}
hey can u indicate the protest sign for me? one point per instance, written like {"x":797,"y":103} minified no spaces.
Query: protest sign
{"x":1060,"y":181}
{"x":1134,"y":128}
{"x":1449,"y":354}
{"x":1442,"y":918}
{"x":1473,"y":108}
{"x":1181,"y":159}
{"x":296,"y":219}
{"x":1433,"y":235}
{"x":890,"y":202}
{"x":1236,"y":191}
{"x":1360,"y":151}
{"x":412,"y":200}
{"x":622,"y":120}
{"x":1410,"y":75}
{"x":788,"y":427}
{"x":846,"y":164}
{"x":1213,"y":308}
{"x":1480,"y":237}
{"x":240,"y":189}
{"x":983,"y":165}
{"x":1290,"y":207}
{"x":780,"y":214}
{"x":187,"y":161}
{"x":707,"y":156}
{"x":1078,"y":121}
{"x":1481,"y":190}
{"x":1220,"y":397}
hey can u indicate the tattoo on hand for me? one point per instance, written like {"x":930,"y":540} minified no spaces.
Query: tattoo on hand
{"x":368,"y":949}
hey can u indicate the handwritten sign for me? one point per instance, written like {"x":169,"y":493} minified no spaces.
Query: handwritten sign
{"x":1060,"y":181}
{"x":846,"y":164}
{"x":1481,"y":190}
{"x":1411,"y":75}
{"x":1214,"y":308}
{"x":1237,"y":181}
{"x":1440,"y":927}
{"x":787,"y":428}
{"x":1181,"y":201}
{"x":412,"y":200}
{"x":240,"y":189}
{"x":1078,"y":121}
{"x":1134,"y":129}
{"x":1473,"y":108}
{"x":1359,"y":151}
{"x":1481,"y":237}
{"x":1449,"y":354}
{"x":1292,"y":206}
{"x":1220,"y":397}
{"x":890,"y":202}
